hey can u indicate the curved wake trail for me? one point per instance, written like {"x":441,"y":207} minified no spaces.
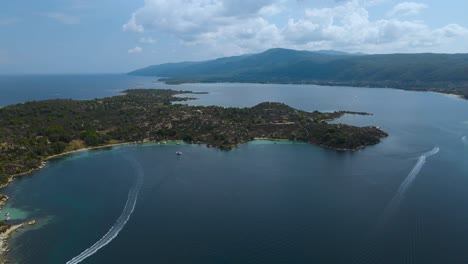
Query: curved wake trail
{"x":406,"y":184}
{"x":119,"y":224}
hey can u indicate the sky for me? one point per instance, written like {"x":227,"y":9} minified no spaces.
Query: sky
{"x":117,"y":36}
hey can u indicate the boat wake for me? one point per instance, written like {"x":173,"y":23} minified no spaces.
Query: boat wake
{"x":121,"y":221}
{"x":465,"y":140}
{"x":394,"y":204}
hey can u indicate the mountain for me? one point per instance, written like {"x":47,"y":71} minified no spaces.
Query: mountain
{"x":270,"y":59}
{"x":425,"y":71}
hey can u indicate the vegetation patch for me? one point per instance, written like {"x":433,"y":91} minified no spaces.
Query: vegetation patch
{"x":33,"y":131}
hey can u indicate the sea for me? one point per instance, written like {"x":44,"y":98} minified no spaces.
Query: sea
{"x":404,"y":200}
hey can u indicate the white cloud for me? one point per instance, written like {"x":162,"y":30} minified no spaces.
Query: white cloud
{"x":133,"y":26}
{"x":451,"y":30}
{"x":364,"y":2}
{"x":349,"y":27}
{"x":136,"y":49}
{"x":407,"y":9}
{"x":147,"y":40}
{"x":216,"y":23}
{"x":270,"y":10}
{"x":229,"y":27}
{"x":191,"y":17}
{"x":63,"y":18}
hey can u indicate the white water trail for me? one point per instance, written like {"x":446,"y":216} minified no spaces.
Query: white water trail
{"x":119,"y":224}
{"x":465,"y":140}
{"x":394,"y":204}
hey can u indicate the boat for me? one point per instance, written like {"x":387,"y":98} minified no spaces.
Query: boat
{"x":178,"y":153}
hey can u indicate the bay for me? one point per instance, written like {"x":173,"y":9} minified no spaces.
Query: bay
{"x":263,"y":202}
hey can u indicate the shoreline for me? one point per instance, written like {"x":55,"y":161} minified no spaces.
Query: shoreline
{"x":167,"y":81}
{"x":42,"y":162}
{"x":452,"y":95}
{"x":10,"y":229}
{"x":6,"y":234}
{"x":4,"y":200}
{"x":56,"y":156}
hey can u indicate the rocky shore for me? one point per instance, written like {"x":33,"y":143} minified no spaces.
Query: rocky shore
{"x":6,"y":231}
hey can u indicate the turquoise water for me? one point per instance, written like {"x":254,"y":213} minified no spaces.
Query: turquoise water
{"x":264,"y":202}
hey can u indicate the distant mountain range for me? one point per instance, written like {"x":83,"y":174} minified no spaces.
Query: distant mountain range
{"x":447,"y":73}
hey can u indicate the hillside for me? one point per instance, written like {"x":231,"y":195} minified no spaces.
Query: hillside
{"x":446,"y":73}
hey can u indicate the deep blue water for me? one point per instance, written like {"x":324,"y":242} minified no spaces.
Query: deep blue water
{"x":262,"y":202}
{"x":21,"y":88}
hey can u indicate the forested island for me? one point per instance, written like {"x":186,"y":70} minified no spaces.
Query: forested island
{"x":445,"y":73}
{"x":33,"y":131}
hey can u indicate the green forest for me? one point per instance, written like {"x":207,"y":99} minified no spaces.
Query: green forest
{"x":446,"y":73}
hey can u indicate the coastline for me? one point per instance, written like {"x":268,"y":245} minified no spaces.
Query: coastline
{"x":86,"y":149}
{"x":225,"y":137}
{"x":452,"y":95}
{"x":8,"y":230}
{"x":44,"y":162}
{"x":6,"y":234}
{"x":169,"y":81}
{"x":265,"y":129}
{"x":5,"y":198}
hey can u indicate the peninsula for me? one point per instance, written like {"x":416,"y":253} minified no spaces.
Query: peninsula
{"x":444,"y":73}
{"x":32,"y":132}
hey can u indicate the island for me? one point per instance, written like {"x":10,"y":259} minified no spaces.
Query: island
{"x":32,"y":132}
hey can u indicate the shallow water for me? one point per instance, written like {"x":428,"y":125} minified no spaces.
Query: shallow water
{"x":265,"y":202}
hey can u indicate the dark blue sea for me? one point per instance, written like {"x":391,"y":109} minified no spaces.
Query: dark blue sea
{"x":402,"y":201}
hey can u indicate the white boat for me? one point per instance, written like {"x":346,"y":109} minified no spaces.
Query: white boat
{"x":178,"y":153}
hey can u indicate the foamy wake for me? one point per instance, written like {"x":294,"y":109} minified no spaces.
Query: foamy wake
{"x":406,"y":184}
{"x":121,"y":221}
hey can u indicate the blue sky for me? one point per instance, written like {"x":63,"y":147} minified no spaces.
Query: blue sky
{"x":110,"y":36}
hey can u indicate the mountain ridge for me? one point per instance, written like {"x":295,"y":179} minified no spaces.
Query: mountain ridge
{"x":446,"y":73}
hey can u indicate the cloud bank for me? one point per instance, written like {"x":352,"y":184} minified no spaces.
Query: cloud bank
{"x":407,"y":9}
{"x":230,"y":27}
